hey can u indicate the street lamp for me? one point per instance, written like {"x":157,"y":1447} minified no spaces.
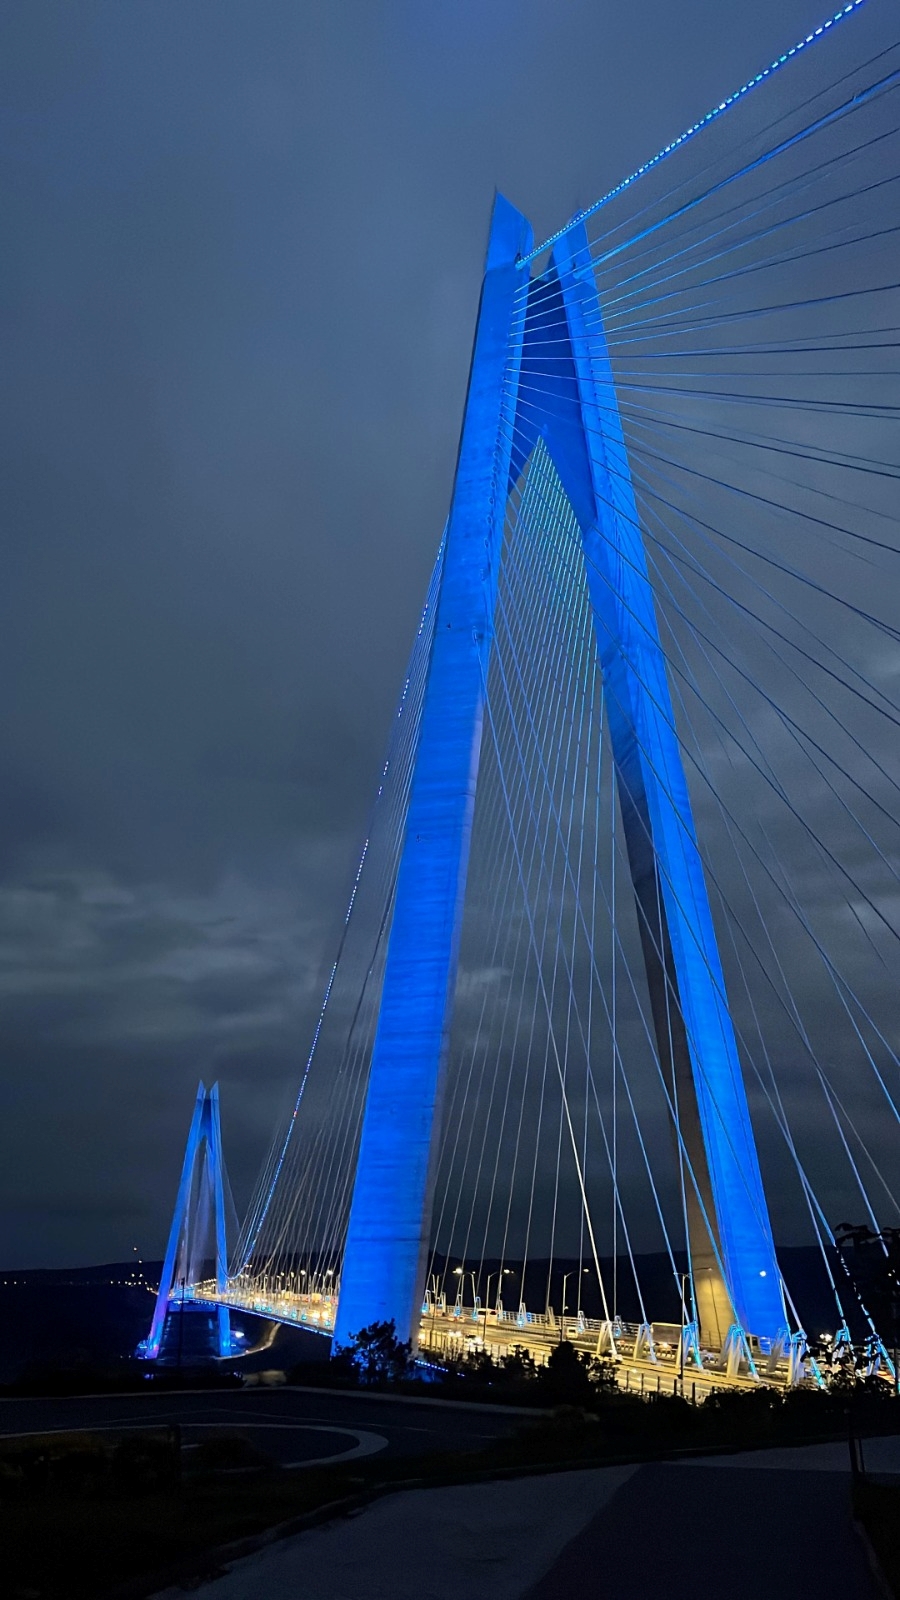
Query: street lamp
{"x":585,"y":1272}
{"x":562,"y":1315}
{"x":462,"y":1273}
{"x":500,"y":1274}
{"x":684,"y":1279}
{"x":434,"y":1297}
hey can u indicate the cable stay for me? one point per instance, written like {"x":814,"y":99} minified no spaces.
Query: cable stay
{"x":605,"y":1049}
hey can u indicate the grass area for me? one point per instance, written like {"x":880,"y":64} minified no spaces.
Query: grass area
{"x":91,"y":1522}
{"x":65,"y":1547}
{"x":87,"y":1516}
{"x":83,"y":1514}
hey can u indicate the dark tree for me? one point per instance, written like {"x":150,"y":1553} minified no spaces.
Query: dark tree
{"x":376,"y":1355}
{"x":566,"y":1379}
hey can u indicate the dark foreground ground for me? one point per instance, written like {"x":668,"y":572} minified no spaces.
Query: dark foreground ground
{"x":773,"y":1528}
{"x":127,"y":1495}
{"x":290,"y":1427}
{"x":781,"y":1533}
{"x":104,"y":1492}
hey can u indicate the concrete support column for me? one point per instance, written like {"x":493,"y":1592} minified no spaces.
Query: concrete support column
{"x":733,"y":1254}
{"x":390,"y":1218}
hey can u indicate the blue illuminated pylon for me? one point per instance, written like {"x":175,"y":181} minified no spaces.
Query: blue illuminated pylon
{"x":734,"y":1269}
{"x":384,"y":1260}
{"x":203,"y":1162}
{"x":554,"y":323}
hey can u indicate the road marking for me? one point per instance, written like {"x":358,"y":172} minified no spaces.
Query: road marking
{"x":366,"y":1443}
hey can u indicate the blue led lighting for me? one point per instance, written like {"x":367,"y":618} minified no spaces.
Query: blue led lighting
{"x":733,"y":1262}
{"x":724,"y":105}
{"x":735,"y":1270}
{"x":205,"y":1129}
{"x":390,"y":1214}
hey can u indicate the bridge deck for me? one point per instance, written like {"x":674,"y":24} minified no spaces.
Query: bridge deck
{"x":451,"y":1333}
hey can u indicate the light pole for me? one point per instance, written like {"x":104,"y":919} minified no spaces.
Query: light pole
{"x":562,"y":1315}
{"x":500,"y":1274}
{"x":434,"y":1295}
{"x":585,"y":1272}
{"x":684,"y":1278}
{"x":462,"y":1273}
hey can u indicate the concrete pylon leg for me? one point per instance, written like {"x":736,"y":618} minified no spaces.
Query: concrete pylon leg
{"x":734,"y":1269}
{"x":204,"y":1139}
{"x":383,"y":1273}
{"x":541,"y":371}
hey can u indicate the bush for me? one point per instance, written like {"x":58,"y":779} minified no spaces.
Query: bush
{"x":567,"y":1377}
{"x":518,"y":1366}
{"x":375,"y":1354}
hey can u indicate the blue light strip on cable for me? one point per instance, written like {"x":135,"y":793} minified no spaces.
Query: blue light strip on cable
{"x":724,"y":105}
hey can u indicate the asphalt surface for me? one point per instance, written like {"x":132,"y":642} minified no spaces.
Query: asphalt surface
{"x":293,"y":1427}
{"x":486,"y":1541}
{"x":776,"y":1534}
{"x":765,"y":1525}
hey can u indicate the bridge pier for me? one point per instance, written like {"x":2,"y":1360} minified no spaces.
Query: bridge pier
{"x":555,"y":323}
{"x":383,"y":1274}
{"x":204,"y":1144}
{"x":734,"y":1272}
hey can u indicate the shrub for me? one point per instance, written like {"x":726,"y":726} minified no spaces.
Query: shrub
{"x":375,"y":1354}
{"x":567,"y":1377}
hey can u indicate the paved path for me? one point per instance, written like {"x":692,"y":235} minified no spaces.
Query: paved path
{"x":879,"y":1456}
{"x":780,"y":1533}
{"x":767,"y":1525}
{"x":482,"y":1540}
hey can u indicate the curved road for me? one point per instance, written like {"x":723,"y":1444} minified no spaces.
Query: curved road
{"x":295,"y":1427}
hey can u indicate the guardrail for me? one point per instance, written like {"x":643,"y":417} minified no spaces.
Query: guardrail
{"x":314,"y":1312}
{"x":644,"y":1365}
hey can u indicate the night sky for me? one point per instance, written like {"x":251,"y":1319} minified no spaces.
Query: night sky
{"x":242,"y":247}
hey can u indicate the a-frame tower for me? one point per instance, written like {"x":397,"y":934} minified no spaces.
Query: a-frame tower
{"x":201,"y":1190}
{"x":553,"y":325}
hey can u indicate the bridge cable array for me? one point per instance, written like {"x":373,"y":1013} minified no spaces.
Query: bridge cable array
{"x":751,"y":310}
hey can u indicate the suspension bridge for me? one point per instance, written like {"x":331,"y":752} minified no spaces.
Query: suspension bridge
{"x":611,"y":1031}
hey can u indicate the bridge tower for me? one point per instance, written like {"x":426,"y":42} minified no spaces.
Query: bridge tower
{"x":554,"y":321}
{"x":201,"y":1194}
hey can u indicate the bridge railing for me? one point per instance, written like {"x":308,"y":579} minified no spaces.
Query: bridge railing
{"x":313,"y":1311}
{"x":446,"y":1327}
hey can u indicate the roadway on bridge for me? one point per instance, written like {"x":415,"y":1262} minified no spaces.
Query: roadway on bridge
{"x":293,"y":1427}
{"x":448,"y":1334}
{"x":455,"y":1333}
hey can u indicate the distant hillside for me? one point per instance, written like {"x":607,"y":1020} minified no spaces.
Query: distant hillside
{"x":92,"y":1316}
{"x":73,"y":1316}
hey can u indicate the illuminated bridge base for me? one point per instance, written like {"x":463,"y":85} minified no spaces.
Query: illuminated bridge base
{"x":657,"y":1358}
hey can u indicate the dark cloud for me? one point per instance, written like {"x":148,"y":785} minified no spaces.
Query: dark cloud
{"x":243,"y":246}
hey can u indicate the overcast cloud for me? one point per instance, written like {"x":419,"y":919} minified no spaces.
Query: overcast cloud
{"x":242,"y":247}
